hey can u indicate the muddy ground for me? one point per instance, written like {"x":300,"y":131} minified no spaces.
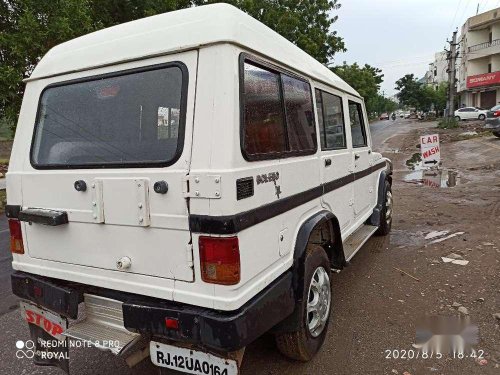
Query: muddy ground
{"x":376,"y":306}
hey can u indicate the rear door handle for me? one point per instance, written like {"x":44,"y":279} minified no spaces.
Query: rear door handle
{"x":356,"y":156}
{"x":328,"y":162}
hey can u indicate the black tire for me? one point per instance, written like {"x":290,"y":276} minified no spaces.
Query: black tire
{"x":302,"y":345}
{"x":481,"y":117}
{"x":496,"y":135}
{"x":457,"y":118}
{"x":387,"y":211}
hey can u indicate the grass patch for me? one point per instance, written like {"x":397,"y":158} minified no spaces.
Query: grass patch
{"x":3,"y":200}
{"x":6,"y":132}
{"x":447,"y":123}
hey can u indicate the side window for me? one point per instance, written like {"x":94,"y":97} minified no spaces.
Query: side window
{"x":299,"y":114}
{"x":278,"y":116}
{"x":264,"y":129}
{"x":358,"y":131}
{"x":331,"y":120}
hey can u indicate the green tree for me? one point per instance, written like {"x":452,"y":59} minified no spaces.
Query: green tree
{"x":364,"y":79}
{"x":410,"y":91}
{"x":307,"y":24}
{"x":421,"y":96}
{"x":29,"y":28}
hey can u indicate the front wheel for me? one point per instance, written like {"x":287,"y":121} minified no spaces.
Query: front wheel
{"x":313,"y":313}
{"x":481,"y":117}
{"x":386,"y":212}
{"x":457,"y":118}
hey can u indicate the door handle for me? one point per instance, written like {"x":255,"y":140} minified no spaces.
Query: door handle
{"x":356,"y":156}
{"x":328,"y":162}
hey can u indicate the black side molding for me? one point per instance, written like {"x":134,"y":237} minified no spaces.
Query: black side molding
{"x":43,"y":216}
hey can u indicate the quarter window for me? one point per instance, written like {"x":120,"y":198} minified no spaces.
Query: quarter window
{"x":278,"y":119}
{"x":331,"y":120}
{"x":357,"y":125}
{"x":299,"y":114}
{"x":264,"y":124}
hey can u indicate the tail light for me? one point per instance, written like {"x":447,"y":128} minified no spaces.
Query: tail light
{"x":220,"y":260}
{"x":496,"y":114}
{"x":16,"y":237}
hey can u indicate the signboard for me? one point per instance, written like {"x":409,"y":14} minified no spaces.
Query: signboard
{"x":486,"y":79}
{"x":429,"y":148}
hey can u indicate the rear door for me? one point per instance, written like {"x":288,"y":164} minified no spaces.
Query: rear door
{"x":336,"y":157}
{"x":363,"y":185}
{"x":101,"y":143}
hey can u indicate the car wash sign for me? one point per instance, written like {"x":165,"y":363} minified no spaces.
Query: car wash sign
{"x":429,"y":147}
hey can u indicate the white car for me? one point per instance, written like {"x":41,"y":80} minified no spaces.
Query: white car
{"x":470,"y":113}
{"x":157,"y":179}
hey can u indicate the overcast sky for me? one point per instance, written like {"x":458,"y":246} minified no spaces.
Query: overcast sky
{"x":400,"y":36}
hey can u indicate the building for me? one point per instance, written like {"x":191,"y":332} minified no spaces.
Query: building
{"x":479,"y":61}
{"x":438,"y":70}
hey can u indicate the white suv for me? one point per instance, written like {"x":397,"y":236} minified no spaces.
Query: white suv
{"x":192,"y":178}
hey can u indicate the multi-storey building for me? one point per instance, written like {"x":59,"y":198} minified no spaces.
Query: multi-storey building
{"x":479,"y":61}
{"x":438,"y":70}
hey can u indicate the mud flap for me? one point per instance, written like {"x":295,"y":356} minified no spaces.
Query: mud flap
{"x":49,"y":351}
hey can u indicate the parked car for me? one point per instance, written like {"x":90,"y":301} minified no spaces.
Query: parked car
{"x":470,"y":113}
{"x":384,"y":116}
{"x":191,"y":241}
{"x":493,"y":120}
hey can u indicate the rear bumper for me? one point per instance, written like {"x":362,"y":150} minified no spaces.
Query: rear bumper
{"x":492,"y":123}
{"x":213,"y":329}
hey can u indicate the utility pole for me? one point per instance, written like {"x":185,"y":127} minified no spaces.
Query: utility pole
{"x":452,"y":57}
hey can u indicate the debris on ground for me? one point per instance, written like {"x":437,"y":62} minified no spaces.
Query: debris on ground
{"x":406,"y":273}
{"x":446,"y":238}
{"x":497,"y":316}
{"x":455,"y":259}
{"x":456,"y":305}
{"x":463,"y":310}
{"x":468,"y":134}
{"x":481,"y":361}
{"x":435,"y":234}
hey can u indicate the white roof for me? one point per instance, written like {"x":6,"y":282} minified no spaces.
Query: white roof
{"x":180,"y":30}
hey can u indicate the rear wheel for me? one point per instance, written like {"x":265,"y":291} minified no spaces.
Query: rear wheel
{"x":481,"y":117}
{"x":314,"y":310}
{"x":386,"y":212}
{"x":496,"y":135}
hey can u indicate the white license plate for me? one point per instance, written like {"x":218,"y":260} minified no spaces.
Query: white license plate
{"x":51,"y":323}
{"x":191,"y":361}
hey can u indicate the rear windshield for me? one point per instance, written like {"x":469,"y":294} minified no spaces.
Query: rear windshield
{"x":132,"y":118}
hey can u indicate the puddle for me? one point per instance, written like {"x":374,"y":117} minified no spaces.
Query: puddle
{"x":402,"y":238}
{"x":415,"y":162}
{"x":420,"y":175}
{"x":439,"y":178}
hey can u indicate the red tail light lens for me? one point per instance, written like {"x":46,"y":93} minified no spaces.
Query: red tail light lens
{"x":496,"y":114}
{"x":16,"y":237}
{"x":220,"y":260}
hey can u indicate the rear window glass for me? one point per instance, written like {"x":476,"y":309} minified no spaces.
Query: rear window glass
{"x":133,"y":118}
{"x":278,"y":117}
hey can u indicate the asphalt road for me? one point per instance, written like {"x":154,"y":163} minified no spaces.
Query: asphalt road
{"x":92,"y":361}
